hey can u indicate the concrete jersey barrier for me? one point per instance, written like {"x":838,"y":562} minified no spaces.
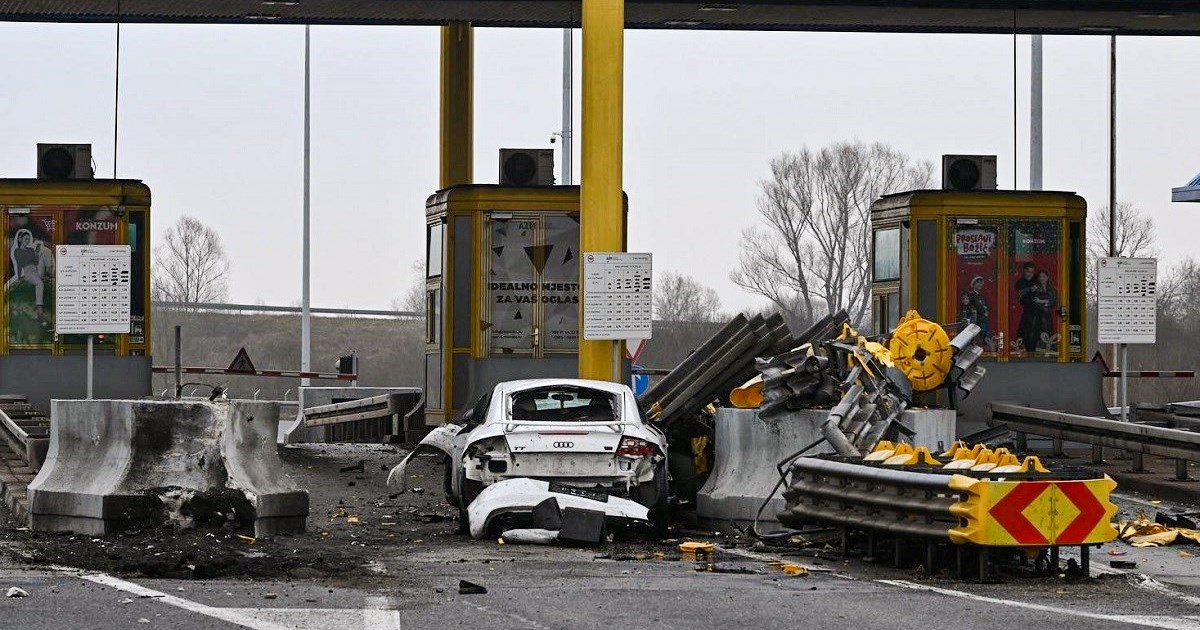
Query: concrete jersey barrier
{"x":115,"y":465}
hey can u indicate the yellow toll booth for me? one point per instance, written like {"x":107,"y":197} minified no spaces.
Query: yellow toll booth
{"x":1010,"y":261}
{"x":40,"y":215}
{"x":502,"y":290}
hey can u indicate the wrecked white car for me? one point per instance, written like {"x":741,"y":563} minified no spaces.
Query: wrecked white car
{"x":581,"y":434}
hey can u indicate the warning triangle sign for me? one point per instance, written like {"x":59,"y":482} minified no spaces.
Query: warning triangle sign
{"x":241,"y":364}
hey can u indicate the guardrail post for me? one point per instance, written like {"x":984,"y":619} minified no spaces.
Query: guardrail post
{"x":985,"y":564}
{"x":1085,"y":560}
{"x":958,"y":562}
{"x":930,"y":557}
{"x":1181,"y":473}
{"x":1138,"y":465}
{"x":898,"y":555}
{"x":1056,"y":448}
{"x":1054,"y":559}
{"x":1020,"y":441}
{"x":845,"y":542}
{"x":1097,"y":454}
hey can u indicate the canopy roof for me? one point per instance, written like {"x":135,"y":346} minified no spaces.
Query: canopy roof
{"x":1121,"y":17}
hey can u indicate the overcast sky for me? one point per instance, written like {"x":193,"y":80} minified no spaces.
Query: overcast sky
{"x":211,"y":118}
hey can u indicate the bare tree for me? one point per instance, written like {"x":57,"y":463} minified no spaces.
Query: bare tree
{"x":413,"y":299}
{"x":1135,"y":238}
{"x":680,"y":298}
{"x":810,"y":255}
{"x":190,"y":266}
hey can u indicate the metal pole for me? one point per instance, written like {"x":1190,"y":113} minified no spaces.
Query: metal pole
{"x":306,"y":314}
{"x":89,"y":368}
{"x":568,"y":107}
{"x":354,"y":366}
{"x":1112,"y":168}
{"x":178,"y":362}
{"x":1124,"y":382}
{"x":1035,"y":114}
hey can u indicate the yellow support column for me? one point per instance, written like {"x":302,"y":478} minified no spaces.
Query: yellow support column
{"x":457,"y":104}
{"x":601,"y":225}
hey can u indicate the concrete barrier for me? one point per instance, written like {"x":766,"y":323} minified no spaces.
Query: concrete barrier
{"x":748,"y":449}
{"x":116,"y":465}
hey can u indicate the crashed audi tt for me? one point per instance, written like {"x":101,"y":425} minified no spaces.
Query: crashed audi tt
{"x":587,"y":437}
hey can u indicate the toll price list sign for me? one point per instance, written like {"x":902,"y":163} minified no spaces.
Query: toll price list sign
{"x":92,"y":289}
{"x":1127,"y":298}
{"x":616,"y":296}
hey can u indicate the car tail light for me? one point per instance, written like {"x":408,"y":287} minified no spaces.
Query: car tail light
{"x":633,"y":447}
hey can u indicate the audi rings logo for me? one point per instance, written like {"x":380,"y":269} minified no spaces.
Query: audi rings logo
{"x":564,"y":445}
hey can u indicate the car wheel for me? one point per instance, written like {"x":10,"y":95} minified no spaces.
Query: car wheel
{"x":656,"y":496}
{"x":468,"y":489}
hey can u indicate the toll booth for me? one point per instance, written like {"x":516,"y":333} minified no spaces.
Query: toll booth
{"x":40,"y":214}
{"x":502,"y":290}
{"x":1011,"y":262}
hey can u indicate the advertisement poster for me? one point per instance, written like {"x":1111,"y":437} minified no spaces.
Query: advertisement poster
{"x":975,"y":246}
{"x":512,"y":287}
{"x":560,"y":283}
{"x":29,"y":287}
{"x":1034,"y":300}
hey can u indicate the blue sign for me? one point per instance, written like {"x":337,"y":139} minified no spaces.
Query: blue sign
{"x":640,"y":382}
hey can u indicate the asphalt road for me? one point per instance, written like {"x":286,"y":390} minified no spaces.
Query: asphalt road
{"x":538,"y":588}
{"x":402,"y":565}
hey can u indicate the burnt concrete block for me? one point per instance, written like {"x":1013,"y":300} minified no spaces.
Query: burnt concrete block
{"x":115,"y":465}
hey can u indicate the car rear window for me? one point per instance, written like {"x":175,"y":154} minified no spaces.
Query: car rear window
{"x":564,"y":404}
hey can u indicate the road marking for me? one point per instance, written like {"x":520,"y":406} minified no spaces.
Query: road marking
{"x":1151,"y":621}
{"x":263,"y":618}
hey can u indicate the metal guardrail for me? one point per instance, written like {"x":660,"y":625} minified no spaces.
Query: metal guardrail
{"x":978,"y":512}
{"x":25,"y":429}
{"x":1134,"y":438}
{"x":375,"y":407}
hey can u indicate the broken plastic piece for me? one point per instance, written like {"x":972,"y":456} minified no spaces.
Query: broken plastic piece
{"x":470,"y":588}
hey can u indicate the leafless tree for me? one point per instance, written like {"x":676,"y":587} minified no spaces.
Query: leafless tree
{"x":190,"y":266}
{"x":413,"y":299}
{"x":1135,"y":238}
{"x":681,"y":298}
{"x":810,"y":254}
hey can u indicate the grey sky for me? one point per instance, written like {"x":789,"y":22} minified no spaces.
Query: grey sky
{"x":211,"y":119}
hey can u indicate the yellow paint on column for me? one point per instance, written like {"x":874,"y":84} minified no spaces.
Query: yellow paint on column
{"x":457,"y":105}
{"x":601,"y":226}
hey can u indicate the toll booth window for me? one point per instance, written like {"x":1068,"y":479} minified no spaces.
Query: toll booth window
{"x":887,"y":255}
{"x":887,"y":312}
{"x":433,"y":251}
{"x":560,"y":283}
{"x":515,"y":257}
{"x":433,"y":315}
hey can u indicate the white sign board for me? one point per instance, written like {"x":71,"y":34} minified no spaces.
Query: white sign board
{"x":616,"y":296}
{"x":92,"y":289}
{"x":1127,"y":289}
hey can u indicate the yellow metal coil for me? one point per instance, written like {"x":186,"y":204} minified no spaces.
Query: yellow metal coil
{"x":922,"y":351}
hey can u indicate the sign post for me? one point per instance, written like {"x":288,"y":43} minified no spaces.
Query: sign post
{"x":617,"y":299}
{"x":92,"y":294}
{"x":1127,"y":299}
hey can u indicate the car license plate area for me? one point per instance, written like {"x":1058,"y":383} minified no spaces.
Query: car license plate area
{"x":562,"y":488}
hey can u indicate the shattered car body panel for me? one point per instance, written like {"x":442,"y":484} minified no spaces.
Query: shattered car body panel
{"x":519,"y":496}
{"x":439,"y":439}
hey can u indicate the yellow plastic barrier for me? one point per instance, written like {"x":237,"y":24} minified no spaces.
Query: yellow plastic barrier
{"x":922,"y":351}
{"x":1033,"y":513}
{"x":920,"y":456}
{"x":883,"y":454}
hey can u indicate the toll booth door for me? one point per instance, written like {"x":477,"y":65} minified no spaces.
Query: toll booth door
{"x":532,"y":284}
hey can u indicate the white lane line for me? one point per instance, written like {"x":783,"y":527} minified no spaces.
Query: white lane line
{"x":1151,"y":621}
{"x":374,"y":616}
{"x":232,"y":616}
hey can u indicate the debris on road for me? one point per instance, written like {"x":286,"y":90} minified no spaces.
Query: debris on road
{"x":360,"y":467}
{"x":530,"y":536}
{"x":1143,"y":532}
{"x":470,"y":588}
{"x":16,"y":592}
